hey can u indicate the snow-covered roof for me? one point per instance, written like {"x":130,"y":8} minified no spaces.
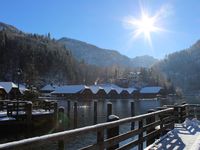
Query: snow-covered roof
{"x":130,"y":90}
{"x":22,"y":88}
{"x":69,"y":89}
{"x":153,"y":89}
{"x":8,"y":86}
{"x":108,"y":87}
{"x":48,"y":87}
{"x":95,"y":88}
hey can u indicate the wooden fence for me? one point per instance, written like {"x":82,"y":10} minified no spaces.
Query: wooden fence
{"x":164,"y":121}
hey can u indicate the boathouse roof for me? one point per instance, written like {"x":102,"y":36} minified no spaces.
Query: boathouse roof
{"x":22,"y":88}
{"x":48,"y":87}
{"x":8,"y":86}
{"x":130,"y":90}
{"x":70,"y":89}
{"x":149,"y":90}
{"x":108,"y":87}
{"x":95,"y":88}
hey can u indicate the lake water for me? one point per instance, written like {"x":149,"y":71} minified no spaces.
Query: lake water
{"x":121,"y":108}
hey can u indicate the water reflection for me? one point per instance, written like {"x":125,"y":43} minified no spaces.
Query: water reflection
{"x":121,"y":108}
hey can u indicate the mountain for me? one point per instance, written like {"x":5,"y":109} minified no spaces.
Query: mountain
{"x":183,"y":68}
{"x":8,"y":28}
{"x":41,"y":60}
{"x":145,"y":61}
{"x":104,"y":57}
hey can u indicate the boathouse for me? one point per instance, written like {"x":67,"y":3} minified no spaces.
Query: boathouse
{"x":73,"y":91}
{"x":111,"y":90}
{"x":2,"y":93}
{"x":98,"y":91}
{"x":11,"y":89}
{"x":134,"y":93}
{"x":128,"y":92}
{"x":152,"y":92}
{"x":22,"y":88}
{"x":47,"y":89}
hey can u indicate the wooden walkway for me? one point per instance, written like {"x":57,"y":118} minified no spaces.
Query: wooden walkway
{"x":182,"y":137}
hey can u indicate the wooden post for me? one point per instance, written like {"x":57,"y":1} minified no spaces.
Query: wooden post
{"x":112,"y":132}
{"x":132,"y":114}
{"x":100,"y":139}
{"x":148,"y":121}
{"x":55,"y":112}
{"x":183,"y":112}
{"x":109,"y":109}
{"x":95,"y":112}
{"x":61,"y":110}
{"x":29,"y":111}
{"x":68,"y":112}
{"x":75,"y":114}
{"x":176,"y":113}
{"x":61,"y":118}
{"x":140,"y":136}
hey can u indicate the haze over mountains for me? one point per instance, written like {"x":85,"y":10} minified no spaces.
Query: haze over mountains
{"x":94,"y":55}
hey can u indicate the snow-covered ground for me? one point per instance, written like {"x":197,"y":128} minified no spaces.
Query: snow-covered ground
{"x":185,"y":136}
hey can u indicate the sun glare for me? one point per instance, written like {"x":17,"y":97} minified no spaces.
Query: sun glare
{"x":144,"y":26}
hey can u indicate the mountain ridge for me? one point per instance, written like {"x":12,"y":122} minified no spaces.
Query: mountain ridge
{"x":94,"y":55}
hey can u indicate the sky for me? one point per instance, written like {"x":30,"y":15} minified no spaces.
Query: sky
{"x":106,"y":23}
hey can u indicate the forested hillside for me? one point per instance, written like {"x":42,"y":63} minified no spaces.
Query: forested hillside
{"x":41,"y":59}
{"x":183,"y":68}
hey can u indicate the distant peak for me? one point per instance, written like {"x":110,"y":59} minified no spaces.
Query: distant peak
{"x":4,"y":26}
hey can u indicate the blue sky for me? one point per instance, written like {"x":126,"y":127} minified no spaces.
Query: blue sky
{"x":102,"y":22}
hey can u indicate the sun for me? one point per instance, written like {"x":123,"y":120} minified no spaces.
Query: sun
{"x":145,"y":26}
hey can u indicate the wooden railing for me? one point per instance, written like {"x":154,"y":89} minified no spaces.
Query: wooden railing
{"x":19,"y":108}
{"x":145,"y":131}
{"x":193,"y":110}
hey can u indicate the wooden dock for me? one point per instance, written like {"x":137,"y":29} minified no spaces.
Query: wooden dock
{"x":16,"y":114}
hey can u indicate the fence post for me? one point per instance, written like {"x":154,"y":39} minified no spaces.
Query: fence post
{"x":29,"y":111}
{"x":176,"y":113}
{"x":61,"y":122}
{"x":150,"y":120}
{"x":100,"y":139}
{"x":109,"y":109}
{"x":75,"y":114}
{"x":95,"y":112}
{"x":132,"y":114}
{"x":183,"y":112}
{"x":68,"y":112}
{"x":161,"y":117}
{"x":55,"y":112}
{"x":112,"y":132}
{"x":140,"y":136}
